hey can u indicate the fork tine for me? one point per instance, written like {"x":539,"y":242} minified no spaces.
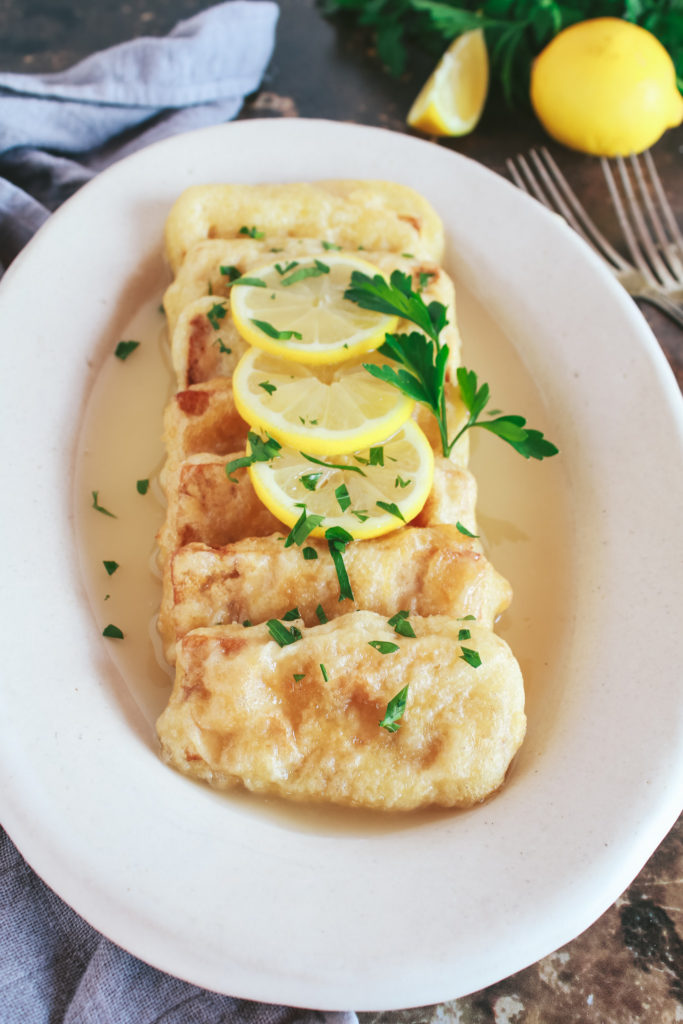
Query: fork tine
{"x":672,"y":246}
{"x":625,"y":225}
{"x":639,"y":241}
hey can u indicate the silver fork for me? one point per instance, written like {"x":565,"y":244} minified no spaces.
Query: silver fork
{"x":649,"y":227}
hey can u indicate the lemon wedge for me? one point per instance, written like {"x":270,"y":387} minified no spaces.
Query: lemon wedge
{"x":296,"y":309}
{"x":368,"y":492}
{"x":324,"y":409}
{"x":606,"y":87}
{"x":453,"y":97}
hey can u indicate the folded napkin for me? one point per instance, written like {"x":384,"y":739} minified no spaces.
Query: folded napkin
{"x":56,"y":969}
{"x":57,"y":130}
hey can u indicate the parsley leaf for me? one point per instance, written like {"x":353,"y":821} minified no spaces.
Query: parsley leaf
{"x":472,"y":657}
{"x":399,"y":622}
{"x":217,"y":312}
{"x":230,"y":271}
{"x":283,"y":635}
{"x":395,"y":711}
{"x":142,"y":486}
{"x":252,"y":232}
{"x":112,"y":631}
{"x":302,"y":273}
{"x":111,"y":567}
{"x":273,"y":332}
{"x":267,"y":386}
{"x":464,"y":531}
{"x":261,"y":451}
{"x":383,"y":646}
{"x":302,"y":527}
{"x":100,"y":508}
{"x":124,"y":349}
{"x":337,"y":538}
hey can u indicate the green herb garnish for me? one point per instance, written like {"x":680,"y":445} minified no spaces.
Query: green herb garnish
{"x":392,"y":508}
{"x":383,"y":646}
{"x":100,"y":508}
{"x":111,"y":567}
{"x":464,"y":634}
{"x":284,"y":268}
{"x":324,"y":672}
{"x":302,"y":527}
{"x":327,"y":246}
{"x":283,"y":635}
{"x":472,"y":657}
{"x":255,"y":282}
{"x":298,"y":676}
{"x":463,"y":529}
{"x":332,"y":465}
{"x":399,"y":622}
{"x":310,"y":480}
{"x":261,"y":451}
{"x":395,"y":711}
{"x":291,"y":615}
{"x":302,"y":273}
{"x":341,"y":493}
{"x":337,"y":538}
{"x":252,"y":232}
{"x":217,"y":313}
{"x":422,"y":371}
{"x":267,"y":386}
{"x":320,"y":612}
{"x":273,"y":332}
{"x":230,"y":271}
{"x":112,"y":631}
{"x":142,"y":486}
{"x":124,"y":349}
{"x":310,"y":554}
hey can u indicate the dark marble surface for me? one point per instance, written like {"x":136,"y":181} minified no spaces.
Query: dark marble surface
{"x":628,"y":967}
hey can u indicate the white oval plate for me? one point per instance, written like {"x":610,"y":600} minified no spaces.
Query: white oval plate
{"x":362,"y":914}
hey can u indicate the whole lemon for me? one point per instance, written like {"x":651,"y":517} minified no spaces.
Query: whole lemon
{"x":606,"y":87}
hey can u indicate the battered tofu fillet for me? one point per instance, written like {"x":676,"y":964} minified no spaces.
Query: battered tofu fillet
{"x":430,"y":571}
{"x":376,"y":215}
{"x":246,"y":711}
{"x":302,"y":720}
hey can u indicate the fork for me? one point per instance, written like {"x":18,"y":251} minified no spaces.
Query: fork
{"x":649,"y":227}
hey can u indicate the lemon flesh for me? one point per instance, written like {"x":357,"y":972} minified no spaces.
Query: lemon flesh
{"x":299,"y":312}
{"x":398,"y":472}
{"x":452,"y":100}
{"x":606,"y":87}
{"x":322,"y":409}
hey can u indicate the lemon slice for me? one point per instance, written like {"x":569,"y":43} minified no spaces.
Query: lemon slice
{"x":347,"y":489}
{"x":322,"y":410}
{"x":297,"y":310}
{"x":452,"y":99}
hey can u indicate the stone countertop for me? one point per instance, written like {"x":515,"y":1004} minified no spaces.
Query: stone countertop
{"x":627,"y":968}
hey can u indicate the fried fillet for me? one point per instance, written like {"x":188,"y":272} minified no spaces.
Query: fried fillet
{"x":430,"y":571}
{"x":246,"y":711}
{"x":205,"y":505}
{"x":377,"y":215}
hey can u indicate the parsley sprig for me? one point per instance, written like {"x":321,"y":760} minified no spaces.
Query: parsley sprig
{"x":422,"y":360}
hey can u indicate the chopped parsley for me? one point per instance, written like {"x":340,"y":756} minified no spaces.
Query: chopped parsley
{"x":342,"y":495}
{"x":471,"y":656}
{"x":463,"y":529}
{"x":302,"y":273}
{"x":230,"y":271}
{"x":304,"y":525}
{"x":267,"y":386}
{"x":111,"y":567}
{"x":395,"y":711}
{"x":142,"y":486}
{"x":337,"y":538}
{"x":399,"y":622}
{"x":252,"y":232}
{"x":217,"y":313}
{"x":284,"y":268}
{"x":273,"y":332}
{"x":392,"y":508}
{"x":400,"y":482}
{"x":112,"y":631}
{"x":464,"y":634}
{"x":383,"y":646}
{"x":261,"y":451}
{"x":298,"y":676}
{"x":310,"y":554}
{"x":291,"y":615}
{"x":320,"y":612}
{"x":310,"y":480}
{"x":283,"y":635}
{"x":324,"y":672}
{"x":100,"y":508}
{"x":124,"y":349}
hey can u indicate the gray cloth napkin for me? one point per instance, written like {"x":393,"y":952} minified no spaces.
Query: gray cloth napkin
{"x":56,"y":969}
{"x":56,"y":131}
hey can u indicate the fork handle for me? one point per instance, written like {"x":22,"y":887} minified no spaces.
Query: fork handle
{"x":671,"y":309}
